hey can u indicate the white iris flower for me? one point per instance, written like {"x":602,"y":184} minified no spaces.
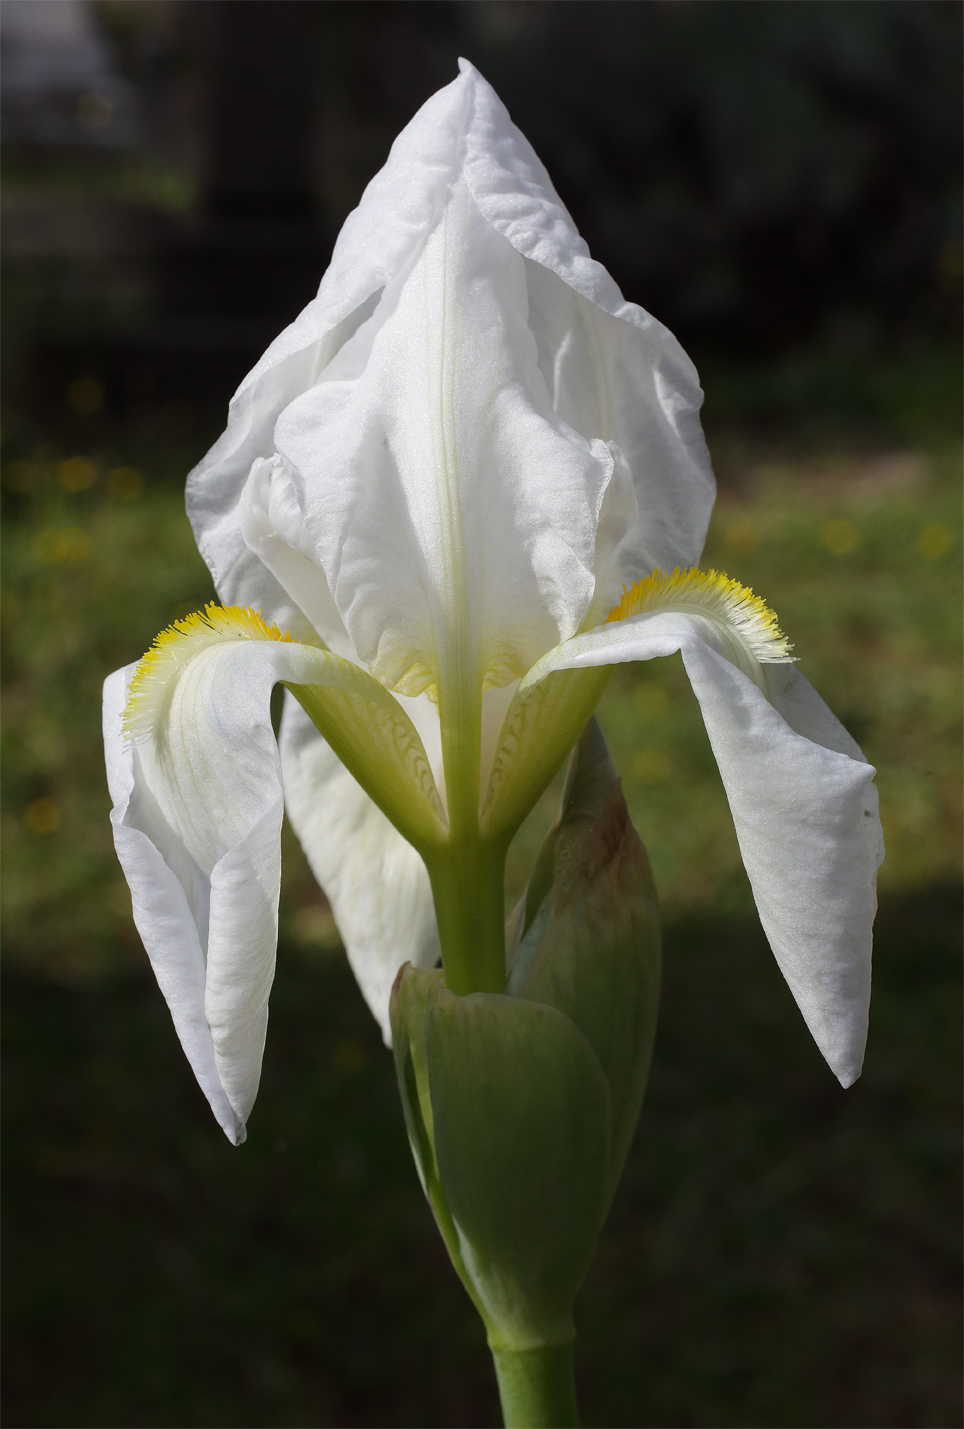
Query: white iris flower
{"x":442,"y":509}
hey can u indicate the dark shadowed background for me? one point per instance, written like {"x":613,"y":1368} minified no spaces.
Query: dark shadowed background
{"x":778,"y":183}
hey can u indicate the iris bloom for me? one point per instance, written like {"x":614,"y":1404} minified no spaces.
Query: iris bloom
{"x":442,"y":510}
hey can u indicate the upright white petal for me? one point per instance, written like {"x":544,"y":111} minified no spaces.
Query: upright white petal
{"x":376,"y":883}
{"x":454,"y":513}
{"x":610,"y":375}
{"x":621,"y":376}
{"x":805,"y":812}
{"x":400,"y":205}
{"x":273,"y":528}
{"x":613,"y":371}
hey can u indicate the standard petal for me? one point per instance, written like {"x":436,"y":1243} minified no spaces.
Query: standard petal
{"x":196,"y":779}
{"x":515,"y":194}
{"x":400,"y":205}
{"x":805,"y":812}
{"x":273,"y":528}
{"x":613,"y":371}
{"x":376,"y":883}
{"x":455,"y":515}
{"x":623,"y":377}
{"x":617,"y":378}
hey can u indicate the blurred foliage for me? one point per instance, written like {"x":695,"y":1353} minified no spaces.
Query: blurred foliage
{"x":136,"y":179}
{"x":759,"y":176}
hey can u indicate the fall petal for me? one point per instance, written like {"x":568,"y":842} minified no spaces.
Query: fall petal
{"x":805,"y":816}
{"x":376,"y":883}
{"x":196,"y":781}
{"x":170,"y":927}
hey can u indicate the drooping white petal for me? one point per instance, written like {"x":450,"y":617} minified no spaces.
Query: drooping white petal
{"x":376,"y":883}
{"x":196,"y":779}
{"x":454,"y":513}
{"x":170,"y":897}
{"x":805,"y":812}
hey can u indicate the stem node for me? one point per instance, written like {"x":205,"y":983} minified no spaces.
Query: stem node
{"x":537,"y":1387}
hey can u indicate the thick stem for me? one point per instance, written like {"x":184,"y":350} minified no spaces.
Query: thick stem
{"x":468,"y":885}
{"x":537,"y":1387}
{"x":468,"y":874}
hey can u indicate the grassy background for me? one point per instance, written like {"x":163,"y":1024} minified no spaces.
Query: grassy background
{"x":780,"y":1253}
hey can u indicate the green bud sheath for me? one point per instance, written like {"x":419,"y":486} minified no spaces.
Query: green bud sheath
{"x":591,"y":942}
{"x":520,"y":1106}
{"x":513,"y":1142}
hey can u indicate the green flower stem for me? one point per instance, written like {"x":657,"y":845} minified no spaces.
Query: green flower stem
{"x":537,"y":1387}
{"x":468,"y":872}
{"x":468,"y":885}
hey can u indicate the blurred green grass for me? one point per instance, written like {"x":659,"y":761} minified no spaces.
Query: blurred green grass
{"x":779,"y":1254}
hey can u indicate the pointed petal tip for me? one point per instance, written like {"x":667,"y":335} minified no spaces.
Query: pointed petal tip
{"x":843,"y":1053}
{"x":847,"y":1075}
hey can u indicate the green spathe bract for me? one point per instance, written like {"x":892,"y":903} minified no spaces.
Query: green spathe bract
{"x":519,"y":1109}
{"x":591,"y":935}
{"x":520,"y":1106}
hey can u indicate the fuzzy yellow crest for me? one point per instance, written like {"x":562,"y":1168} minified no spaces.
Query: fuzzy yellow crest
{"x":180,"y":642}
{"x":716,"y":597}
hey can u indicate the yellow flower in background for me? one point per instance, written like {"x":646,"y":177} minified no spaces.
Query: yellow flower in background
{"x":934,"y":541}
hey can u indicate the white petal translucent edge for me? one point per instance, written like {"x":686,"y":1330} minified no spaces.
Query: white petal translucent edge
{"x":376,"y":883}
{"x":805,"y":811}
